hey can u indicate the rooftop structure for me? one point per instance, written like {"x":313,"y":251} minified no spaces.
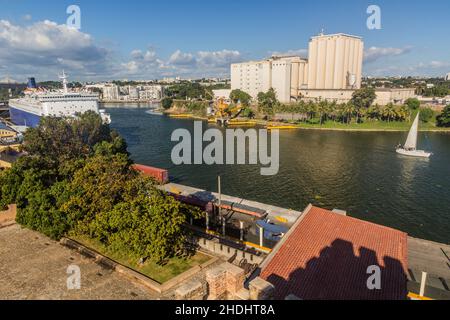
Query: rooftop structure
{"x":326,"y":255}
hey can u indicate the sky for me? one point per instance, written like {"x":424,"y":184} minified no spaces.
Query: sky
{"x":198,"y":38}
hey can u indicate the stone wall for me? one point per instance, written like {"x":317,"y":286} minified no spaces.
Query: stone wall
{"x":8,"y":216}
{"x":226,"y":282}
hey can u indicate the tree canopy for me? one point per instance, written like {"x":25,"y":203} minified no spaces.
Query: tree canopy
{"x":267,"y":102}
{"x":241,"y":96}
{"x":76,"y":178}
{"x":363,"y":98}
{"x":443,"y":120}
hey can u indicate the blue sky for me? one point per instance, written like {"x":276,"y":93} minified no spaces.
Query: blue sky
{"x":152,"y":39}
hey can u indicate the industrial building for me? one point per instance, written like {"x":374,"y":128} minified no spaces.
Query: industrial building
{"x":333,"y":71}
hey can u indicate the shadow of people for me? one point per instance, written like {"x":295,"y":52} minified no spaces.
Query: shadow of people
{"x":339,"y":274}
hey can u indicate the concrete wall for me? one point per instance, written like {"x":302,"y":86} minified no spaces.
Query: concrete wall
{"x":223,"y":250}
{"x":384,"y":96}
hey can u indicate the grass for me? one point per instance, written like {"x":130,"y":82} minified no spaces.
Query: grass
{"x":174,"y":267}
{"x":371,"y":125}
{"x":363,"y":126}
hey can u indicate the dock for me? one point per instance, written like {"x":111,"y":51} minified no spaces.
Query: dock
{"x":274,"y":213}
{"x":434,"y":259}
{"x":423,"y":255}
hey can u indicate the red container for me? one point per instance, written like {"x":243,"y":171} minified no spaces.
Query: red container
{"x":160,"y":175}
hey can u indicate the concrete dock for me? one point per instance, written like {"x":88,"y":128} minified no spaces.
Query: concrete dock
{"x":276,"y":214}
{"x":434,"y":259}
{"x":423,"y":255}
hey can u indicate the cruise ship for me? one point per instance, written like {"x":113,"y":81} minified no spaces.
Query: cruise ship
{"x":28,"y":110}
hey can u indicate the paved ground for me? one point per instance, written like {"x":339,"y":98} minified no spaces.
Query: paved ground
{"x":34,"y":267}
{"x":433,"y":258}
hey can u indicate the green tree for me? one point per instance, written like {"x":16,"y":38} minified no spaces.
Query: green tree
{"x":389,"y":112}
{"x":443,"y":120}
{"x":241,"y":96}
{"x":267,"y":102}
{"x":362,"y":99}
{"x":147,"y":224}
{"x":426,"y":114}
{"x":166,"y":103}
{"x":413,"y":103}
{"x":76,"y":178}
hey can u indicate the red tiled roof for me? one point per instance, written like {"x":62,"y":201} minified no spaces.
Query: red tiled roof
{"x":326,"y":255}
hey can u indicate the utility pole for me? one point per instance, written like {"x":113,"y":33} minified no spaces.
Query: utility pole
{"x":219,"y":187}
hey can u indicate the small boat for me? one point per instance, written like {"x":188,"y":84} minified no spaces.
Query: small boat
{"x":410,"y":147}
{"x":154,"y":112}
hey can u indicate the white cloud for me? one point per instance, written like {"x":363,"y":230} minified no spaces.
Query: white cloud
{"x":46,"y":47}
{"x":179,"y":58}
{"x":372,"y":54}
{"x":432,"y":68}
{"x":297,"y":52}
{"x":218,"y":59}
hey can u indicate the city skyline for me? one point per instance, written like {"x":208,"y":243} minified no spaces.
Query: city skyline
{"x":195,"y":40}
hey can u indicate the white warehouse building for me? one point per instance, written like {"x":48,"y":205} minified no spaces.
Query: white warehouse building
{"x":333,"y":71}
{"x":335,"y":62}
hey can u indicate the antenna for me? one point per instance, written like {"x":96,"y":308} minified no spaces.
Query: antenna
{"x":322,"y":32}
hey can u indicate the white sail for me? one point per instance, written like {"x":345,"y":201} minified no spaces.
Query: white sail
{"x":411,"y":141}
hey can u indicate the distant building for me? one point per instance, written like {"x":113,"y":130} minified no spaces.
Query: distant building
{"x":110,"y":92}
{"x":133,"y":93}
{"x":334,"y":63}
{"x":221,"y":94}
{"x":447,"y":77}
{"x":148,"y":93}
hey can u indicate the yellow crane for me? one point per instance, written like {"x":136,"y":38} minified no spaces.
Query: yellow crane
{"x":224,"y":112}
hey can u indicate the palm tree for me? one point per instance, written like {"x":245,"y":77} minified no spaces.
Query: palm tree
{"x":389,"y":112}
{"x":349,"y":110}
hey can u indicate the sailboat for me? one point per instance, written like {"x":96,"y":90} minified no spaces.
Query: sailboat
{"x":410,"y":147}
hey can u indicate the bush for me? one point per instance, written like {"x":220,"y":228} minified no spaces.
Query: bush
{"x":412,"y":103}
{"x":166,"y":103}
{"x":426,"y":114}
{"x":443,"y":120}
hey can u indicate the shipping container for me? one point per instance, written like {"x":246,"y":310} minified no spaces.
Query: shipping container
{"x":160,"y":175}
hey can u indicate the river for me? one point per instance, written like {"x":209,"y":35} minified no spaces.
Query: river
{"x":355,"y":171}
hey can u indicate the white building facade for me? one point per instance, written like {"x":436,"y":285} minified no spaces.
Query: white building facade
{"x":110,"y":92}
{"x":334,"y":63}
{"x":149,"y":93}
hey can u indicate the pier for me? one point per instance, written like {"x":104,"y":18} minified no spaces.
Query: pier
{"x":428,"y":262}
